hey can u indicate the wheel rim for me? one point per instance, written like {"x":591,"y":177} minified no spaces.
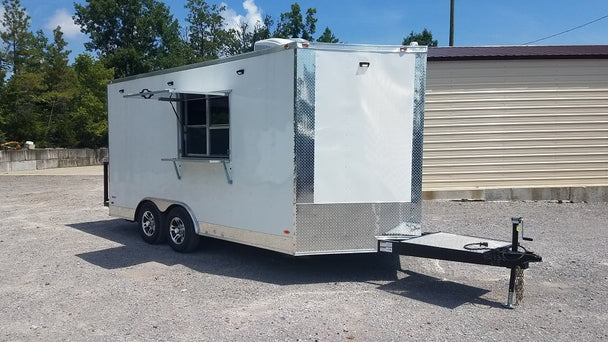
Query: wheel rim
{"x":177,"y":230}
{"x":148,"y":223}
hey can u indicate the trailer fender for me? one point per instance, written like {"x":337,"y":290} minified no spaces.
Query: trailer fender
{"x":165,"y":205}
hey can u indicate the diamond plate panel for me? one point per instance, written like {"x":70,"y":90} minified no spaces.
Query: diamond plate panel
{"x":417,"y":137}
{"x":350,"y":227}
{"x":417,"y":134}
{"x":305,"y":126}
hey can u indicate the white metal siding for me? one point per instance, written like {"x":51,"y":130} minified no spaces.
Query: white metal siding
{"x":516,"y":123}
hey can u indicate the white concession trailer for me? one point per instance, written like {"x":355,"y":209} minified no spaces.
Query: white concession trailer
{"x":302,"y":148}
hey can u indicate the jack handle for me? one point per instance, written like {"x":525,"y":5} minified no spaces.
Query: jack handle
{"x":525,"y":238}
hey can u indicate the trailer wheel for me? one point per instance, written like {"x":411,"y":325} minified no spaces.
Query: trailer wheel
{"x":150,"y":223}
{"x":180,"y":229}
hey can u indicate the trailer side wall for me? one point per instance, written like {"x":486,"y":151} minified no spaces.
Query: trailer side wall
{"x":142,"y":132}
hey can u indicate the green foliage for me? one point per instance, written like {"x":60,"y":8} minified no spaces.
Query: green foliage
{"x":424,"y":38}
{"x":21,"y":93}
{"x":44,"y":99}
{"x":61,"y":89}
{"x":293,"y":25}
{"x":206,"y":33}
{"x":328,"y":37}
{"x":245,"y":37}
{"x":15,"y":35}
{"x":90,"y":115}
{"x":21,"y":103}
{"x":131,"y":36}
{"x":2,"y":134}
{"x":311,"y":24}
{"x":262,"y":31}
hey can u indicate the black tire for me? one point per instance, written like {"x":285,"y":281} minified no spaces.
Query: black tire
{"x":180,"y":231}
{"x":150,"y":223}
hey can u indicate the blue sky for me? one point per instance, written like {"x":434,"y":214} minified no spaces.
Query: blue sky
{"x":478,"y":22}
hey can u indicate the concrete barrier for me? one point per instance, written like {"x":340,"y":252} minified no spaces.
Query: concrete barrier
{"x":48,"y":158}
{"x":37,"y":159}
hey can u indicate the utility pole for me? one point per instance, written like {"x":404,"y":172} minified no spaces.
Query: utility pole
{"x":452,"y":22}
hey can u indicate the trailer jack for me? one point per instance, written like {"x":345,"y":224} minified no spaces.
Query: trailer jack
{"x":516,"y":279}
{"x":471,"y":250}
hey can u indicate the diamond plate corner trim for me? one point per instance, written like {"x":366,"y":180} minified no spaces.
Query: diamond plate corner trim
{"x":304,"y":126}
{"x":417,"y":136}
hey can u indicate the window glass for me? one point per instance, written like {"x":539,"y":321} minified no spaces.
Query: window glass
{"x":219,"y":141}
{"x":196,"y":112}
{"x":205,"y":126}
{"x":218,"y":108}
{"x":196,"y":140}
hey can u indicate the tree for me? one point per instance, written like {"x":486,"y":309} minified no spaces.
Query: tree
{"x":2,"y":134}
{"x":61,"y":90}
{"x":21,"y":100}
{"x":131,"y":36}
{"x":89,"y":119}
{"x":424,"y":38}
{"x":245,"y":38}
{"x":16,"y":36}
{"x":328,"y":37}
{"x":42,"y":97}
{"x":24,"y":57}
{"x":293,"y":25}
{"x":242,"y":37}
{"x":262,"y":30}
{"x":311,"y":24}
{"x":206,"y":34}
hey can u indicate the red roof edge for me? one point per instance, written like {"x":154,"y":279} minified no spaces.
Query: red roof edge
{"x":453,"y":53}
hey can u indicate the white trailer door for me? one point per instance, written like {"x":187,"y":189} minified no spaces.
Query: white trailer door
{"x":363,"y":127}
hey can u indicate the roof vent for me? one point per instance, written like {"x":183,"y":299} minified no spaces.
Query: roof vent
{"x":272,"y":42}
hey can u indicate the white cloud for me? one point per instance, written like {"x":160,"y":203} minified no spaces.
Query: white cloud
{"x":252,"y":17}
{"x":64,"y":19}
{"x":254,"y":13}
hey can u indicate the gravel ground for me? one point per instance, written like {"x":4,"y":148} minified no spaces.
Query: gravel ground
{"x":71,"y":273}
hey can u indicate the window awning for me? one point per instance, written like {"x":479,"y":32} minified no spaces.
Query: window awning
{"x":175,"y":95}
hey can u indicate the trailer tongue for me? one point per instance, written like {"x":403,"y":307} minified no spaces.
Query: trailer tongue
{"x":468,"y":249}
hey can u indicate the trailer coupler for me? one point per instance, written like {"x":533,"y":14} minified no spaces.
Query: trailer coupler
{"x":469,"y":249}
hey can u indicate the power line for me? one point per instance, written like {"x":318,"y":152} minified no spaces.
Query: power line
{"x":572,"y":29}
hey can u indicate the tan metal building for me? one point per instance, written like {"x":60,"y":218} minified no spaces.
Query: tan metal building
{"x":519,"y":122}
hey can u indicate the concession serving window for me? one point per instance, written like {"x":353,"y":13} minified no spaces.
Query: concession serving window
{"x":203,"y":124}
{"x":204,"y":120}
